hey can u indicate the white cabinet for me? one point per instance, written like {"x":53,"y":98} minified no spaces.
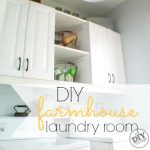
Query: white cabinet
{"x":27,"y":32}
{"x":13,"y":18}
{"x":97,"y":35}
{"x":107,"y":65}
{"x":115,"y":58}
{"x":39,"y":44}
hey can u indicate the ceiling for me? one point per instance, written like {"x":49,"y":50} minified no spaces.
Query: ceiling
{"x":93,"y":9}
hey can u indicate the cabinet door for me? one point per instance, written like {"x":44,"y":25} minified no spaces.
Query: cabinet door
{"x":13,"y":16}
{"x":98,"y":55}
{"x":39,"y":45}
{"x":115,"y":58}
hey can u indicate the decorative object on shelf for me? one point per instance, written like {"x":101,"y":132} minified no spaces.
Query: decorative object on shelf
{"x":66,"y":38}
{"x":85,"y":18}
{"x":21,"y":111}
{"x":58,"y":38}
{"x":58,"y":8}
{"x":75,"y":14}
{"x":67,"y":11}
{"x":69,"y":39}
{"x":65,"y":71}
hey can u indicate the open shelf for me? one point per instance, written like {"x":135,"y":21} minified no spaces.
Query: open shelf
{"x":67,"y":54}
{"x":67,"y":21}
{"x":80,"y":55}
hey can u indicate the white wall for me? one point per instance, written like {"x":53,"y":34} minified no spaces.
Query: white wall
{"x":8,"y":99}
{"x":132,"y":20}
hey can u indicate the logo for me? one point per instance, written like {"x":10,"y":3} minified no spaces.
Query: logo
{"x":139,"y":138}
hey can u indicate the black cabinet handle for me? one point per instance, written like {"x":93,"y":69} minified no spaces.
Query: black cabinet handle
{"x":109,"y":78}
{"x":113,"y":76}
{"x":27,"y":68}
{"x":19,"y":67}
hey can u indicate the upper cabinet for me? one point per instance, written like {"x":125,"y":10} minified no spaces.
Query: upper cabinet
{"x":39,"y":43}
{"x":97,"y":36}
{"x":27,"y":32}
{"x":107,"y":65}
{"x":13,"y":18}
{"x":28,"y":49}
{"x":115,"y":58}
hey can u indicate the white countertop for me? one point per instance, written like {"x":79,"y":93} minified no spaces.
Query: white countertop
{"x":43,"y":144}
{"x":109,"y":138}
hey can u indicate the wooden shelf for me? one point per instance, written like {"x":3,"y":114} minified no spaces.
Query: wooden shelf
{"x":66,"y":21}
{"x":66,"y":54}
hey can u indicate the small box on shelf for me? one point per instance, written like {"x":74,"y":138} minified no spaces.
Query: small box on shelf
{"x":65,"y":71}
